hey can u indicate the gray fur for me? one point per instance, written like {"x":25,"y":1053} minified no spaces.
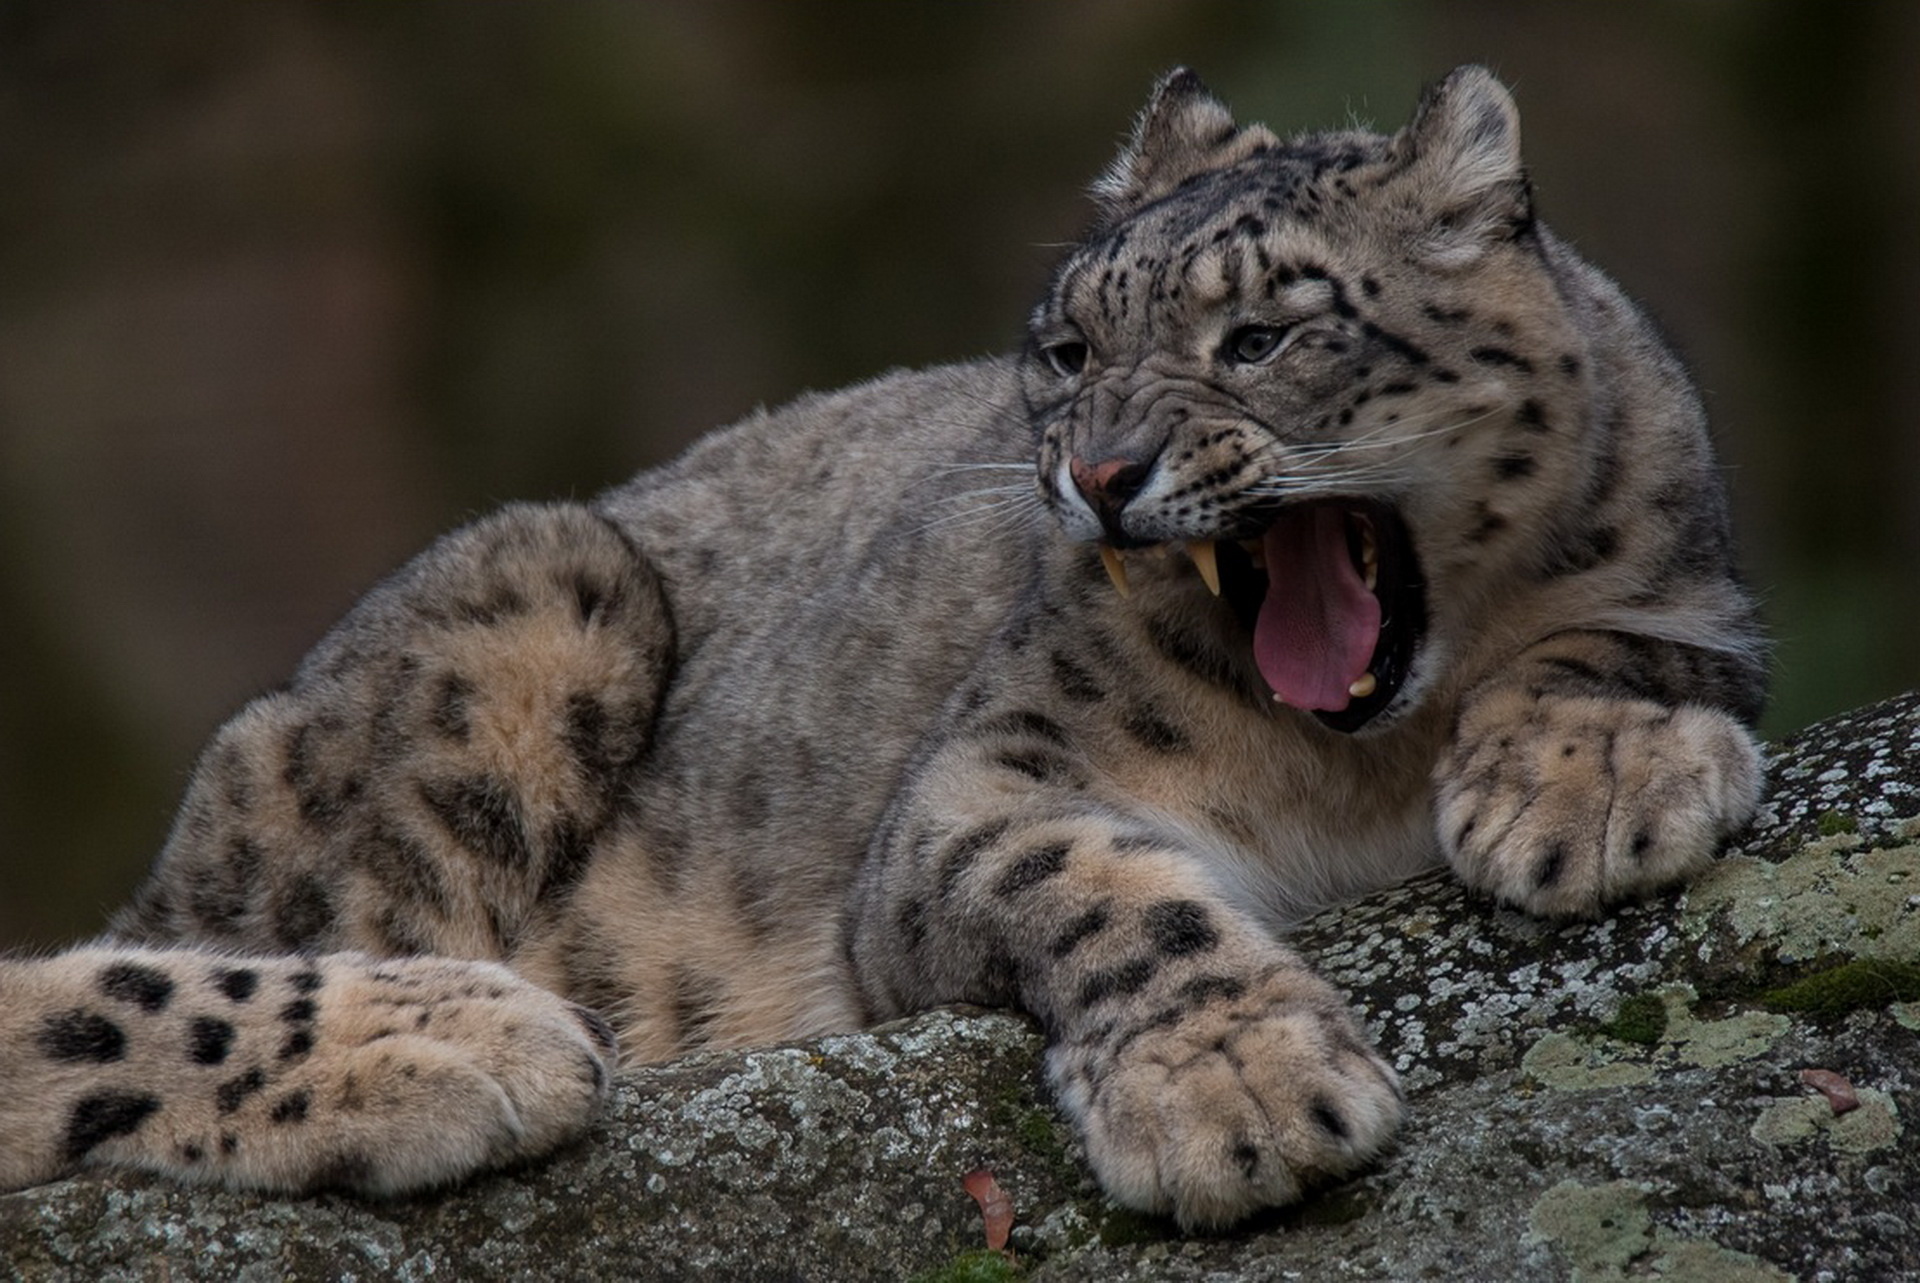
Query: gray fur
{"x":837,"y":717}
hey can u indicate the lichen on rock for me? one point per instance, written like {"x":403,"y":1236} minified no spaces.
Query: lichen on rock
{"x":1591,"y":1101}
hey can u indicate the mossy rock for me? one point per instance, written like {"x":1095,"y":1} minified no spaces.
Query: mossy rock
{"x":1667,"y":1134}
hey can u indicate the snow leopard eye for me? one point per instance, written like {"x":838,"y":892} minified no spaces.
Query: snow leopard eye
{"x":1254,"y":344}
{"x":1066,"y":359}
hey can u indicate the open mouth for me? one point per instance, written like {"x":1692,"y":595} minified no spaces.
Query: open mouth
{"x":1333,"y":596}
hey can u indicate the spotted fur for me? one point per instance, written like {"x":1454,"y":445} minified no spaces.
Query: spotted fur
{"x":838,"y":717}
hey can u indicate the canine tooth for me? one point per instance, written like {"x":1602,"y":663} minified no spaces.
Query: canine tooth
{"x":1367,"y":684}
{"x":1201,"y":550}
{"x":1116,"y":569}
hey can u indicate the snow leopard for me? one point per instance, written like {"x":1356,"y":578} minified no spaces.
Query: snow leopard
{"x":1334,"y":520}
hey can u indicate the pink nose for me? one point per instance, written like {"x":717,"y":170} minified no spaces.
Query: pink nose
{"x":1109,"y":484}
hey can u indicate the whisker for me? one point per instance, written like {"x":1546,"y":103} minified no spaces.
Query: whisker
{"x":948,"y":471}
{"x":993,"y":505}
{"x":986,"y":522}
{"x":1327,"y":466}
{"x":1385,"y":436}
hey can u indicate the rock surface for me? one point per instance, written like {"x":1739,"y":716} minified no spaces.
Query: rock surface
{"x":1616,"y":1100}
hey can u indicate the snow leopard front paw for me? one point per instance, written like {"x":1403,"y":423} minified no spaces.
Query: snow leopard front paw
{"x":425,"y":1070}
{"x":1561,"y":805}
{"x":1244,"y":1102}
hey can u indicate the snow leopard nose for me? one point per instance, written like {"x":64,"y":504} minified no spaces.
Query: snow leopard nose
{"x":1108,"y":486}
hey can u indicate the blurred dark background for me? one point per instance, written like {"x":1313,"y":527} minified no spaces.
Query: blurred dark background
{"x":289,"y":286}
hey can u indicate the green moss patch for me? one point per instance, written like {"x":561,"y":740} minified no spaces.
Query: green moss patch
{"x":1833,"y":823}
{"x":1641,"y":1019}
{"x":1036,"y":1126}
{"x":1850,"y":986}
{"x":980,"y":1266}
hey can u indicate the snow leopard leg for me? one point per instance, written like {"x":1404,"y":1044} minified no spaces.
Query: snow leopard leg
{"x":1210,"y":1071}
{"x":356,"y":856}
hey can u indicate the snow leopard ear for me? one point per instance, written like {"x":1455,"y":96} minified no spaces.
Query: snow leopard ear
{"x":1462,"y":149}
{"x":1183,"y":131}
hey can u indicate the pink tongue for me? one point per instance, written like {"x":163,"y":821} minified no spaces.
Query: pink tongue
{"x":1319,"y":624}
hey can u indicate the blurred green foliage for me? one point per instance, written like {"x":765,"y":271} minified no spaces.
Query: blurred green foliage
{"x":287,"y":286}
